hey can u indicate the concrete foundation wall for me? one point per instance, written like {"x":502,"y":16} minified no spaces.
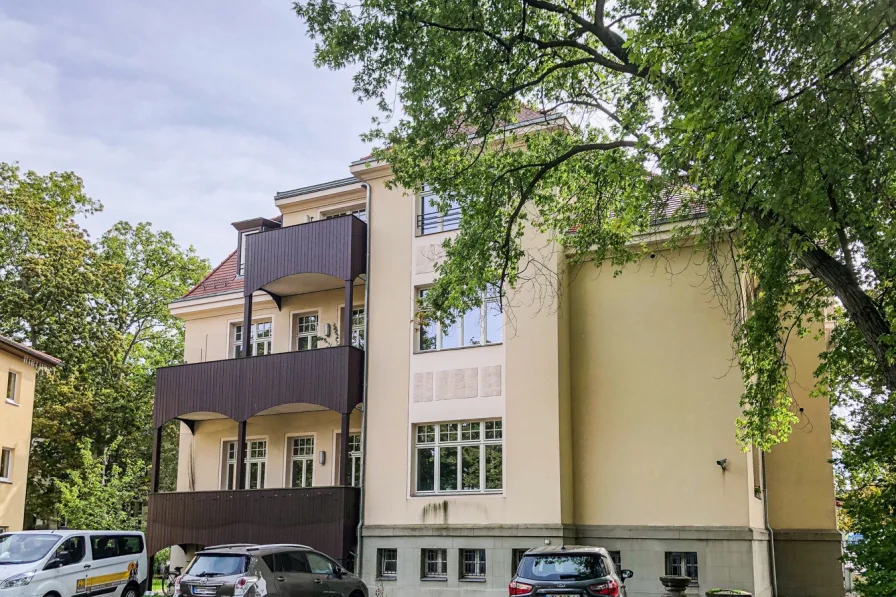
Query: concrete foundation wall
{"x":808,"y":564}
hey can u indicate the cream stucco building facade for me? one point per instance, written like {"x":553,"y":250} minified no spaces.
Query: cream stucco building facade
{"x":19,"y":367}
{"x":597,"y":418}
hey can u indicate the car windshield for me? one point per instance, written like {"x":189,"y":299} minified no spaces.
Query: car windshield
{"x":24,"y":548}
{"x":210,"y":565}
{"x":562,"y":567}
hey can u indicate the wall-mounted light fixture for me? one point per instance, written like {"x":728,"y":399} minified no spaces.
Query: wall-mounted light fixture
{"x":328,"y":329}
{"x":723,"y":464}
{"x":322,"y":457}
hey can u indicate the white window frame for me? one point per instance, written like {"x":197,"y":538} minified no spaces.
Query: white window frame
{"x":438,"y":443}
{"x":226,"y":461}
{"x":452,"y":215}
{"x":357,"y":330}
{"x":13,"y":380}
{"x":354,"y":457}
{"x":291,"y":458}
{"x":357,"y":210}
{"x":478,"y":563}
{"x":684,"y":555}
{"x":381,"y":560}
{"x":7,"y":458}
{"x":232,"y":343}
{"x":296,"y":334}
{"x":488,"y":301}
{"x":440,"y":562}
{"x":241,"y":258}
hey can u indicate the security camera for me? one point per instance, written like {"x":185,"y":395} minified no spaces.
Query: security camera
{"x":723,"y":463}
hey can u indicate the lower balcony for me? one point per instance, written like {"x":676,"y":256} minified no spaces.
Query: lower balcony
{"x":325,"y":518}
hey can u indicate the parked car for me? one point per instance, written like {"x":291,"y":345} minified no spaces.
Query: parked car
{"x":69,"y":563}
{"x":259,"y":570}
{"x":568,"y":570}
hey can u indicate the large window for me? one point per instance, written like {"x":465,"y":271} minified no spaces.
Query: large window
{"x":430,"y":219}
{"x":302,"y":462}
{"x":361,"y":214}
{"x":480,"y":325}
{"x":459,"y":457}
{"x":472,"y":564}
{"x":358,"y":328}
{"x":306,"y":332}
{"x":682,"y":563}
{"x":12,"y":387}
{"x":434,"y":564}
{"x":6,"y":464}
{"x":261,"y":336}
{"x":256,"y":464}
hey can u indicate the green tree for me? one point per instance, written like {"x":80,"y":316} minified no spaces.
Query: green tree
{"x":105,"y":492}
{"x":774,"y":121}
{"x":99,"y":306}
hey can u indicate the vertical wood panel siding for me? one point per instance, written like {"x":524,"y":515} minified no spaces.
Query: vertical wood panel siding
{"x":336,"y":247}
{"x":241,"y":388}
{"x":324,"y":518}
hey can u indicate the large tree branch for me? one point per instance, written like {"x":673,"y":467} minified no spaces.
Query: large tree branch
{"x":862,"y":310}
{"x":609,"y":38}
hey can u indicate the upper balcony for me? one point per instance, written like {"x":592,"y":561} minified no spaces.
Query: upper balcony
{"x":310,"y":257}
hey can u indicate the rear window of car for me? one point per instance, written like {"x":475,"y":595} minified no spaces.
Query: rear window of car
{"x":211,"y":565}
{"x":562,"y":567}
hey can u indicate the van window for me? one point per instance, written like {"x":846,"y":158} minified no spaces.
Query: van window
{"x":24,"y":548}
{"x":70,"y":552}
{"x":130,"y":545}
{"x":104,"y":547}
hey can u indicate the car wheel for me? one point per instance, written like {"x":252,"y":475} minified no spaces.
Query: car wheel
{"x":130,"y":591}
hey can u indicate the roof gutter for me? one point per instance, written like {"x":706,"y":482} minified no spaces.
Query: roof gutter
{"x":364,"y":396}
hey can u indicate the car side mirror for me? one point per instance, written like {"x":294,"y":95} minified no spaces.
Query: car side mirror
{"x":54,"y":563}
{"x":627,"y":574}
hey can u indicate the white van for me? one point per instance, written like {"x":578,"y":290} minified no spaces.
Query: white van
{"x":73,"y":564}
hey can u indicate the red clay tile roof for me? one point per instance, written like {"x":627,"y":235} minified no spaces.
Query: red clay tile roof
{"x":221,"y":279}
{"x":43,"y":357}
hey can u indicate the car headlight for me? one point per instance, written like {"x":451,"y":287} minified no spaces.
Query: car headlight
{"x":19,"y":580}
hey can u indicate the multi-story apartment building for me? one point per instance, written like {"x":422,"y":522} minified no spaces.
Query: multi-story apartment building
{"x":19,"y":366}
{"x":604,"y":418}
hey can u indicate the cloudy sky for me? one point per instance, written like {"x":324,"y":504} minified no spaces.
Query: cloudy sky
{"x":187,"y":114}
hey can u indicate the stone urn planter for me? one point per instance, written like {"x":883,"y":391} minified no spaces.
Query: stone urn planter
{"x":727,"y":593}
{"x":675,"y":585}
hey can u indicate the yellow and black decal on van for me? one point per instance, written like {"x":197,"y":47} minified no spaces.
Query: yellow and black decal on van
{"x":106,"y":583}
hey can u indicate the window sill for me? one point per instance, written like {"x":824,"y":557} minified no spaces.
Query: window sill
{"x":438,"y":350}
{"x":434,"y":579}
{"x":471,"y":579}
{"x":432,"y":494}
{"x":387,"y":578}
{"x":5,"y":480}
{"x":13,"y":402}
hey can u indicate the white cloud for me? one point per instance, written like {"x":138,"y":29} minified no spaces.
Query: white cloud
{"x":190,"y":115}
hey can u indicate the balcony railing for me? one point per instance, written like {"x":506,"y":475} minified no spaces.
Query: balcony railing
{"x":324,"y":518}
{"x":242,"y":388}
{"x":336,"y":247}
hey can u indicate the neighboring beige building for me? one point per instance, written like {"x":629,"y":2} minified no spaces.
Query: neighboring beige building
{"x":19,"y":366}
{"x":596,"y":419}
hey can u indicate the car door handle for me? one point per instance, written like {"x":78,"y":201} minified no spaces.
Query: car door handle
{"x":281,"y":578}
{"x":86,"y":566}
{"x":318,"y":581}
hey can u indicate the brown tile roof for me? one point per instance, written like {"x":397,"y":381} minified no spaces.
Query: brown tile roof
{"x":221,"y":279}
{"x":18,"y":347}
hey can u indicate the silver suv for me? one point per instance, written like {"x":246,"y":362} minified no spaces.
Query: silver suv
{"x":260,"y":570}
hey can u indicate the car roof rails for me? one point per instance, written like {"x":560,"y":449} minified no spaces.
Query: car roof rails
{"x":267,"y":545}
{"x":226,"y":545}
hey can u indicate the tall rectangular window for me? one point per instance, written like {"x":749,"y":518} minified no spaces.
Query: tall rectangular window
{"x":354,"y":458}
{"x":483,"y":324}
{"x":256,"y":464}
{"x":12,"y":387}
{"x":261,"y":337}
{"x":682,"y":563}
{"x":242,"y":264}
{"x":306,"y":332}
{"x":434,"y":564}
{"x":6,"y":464}
{"x":472,"y":564}
{"x":431,"y":219}
{"x":387,"y":563}
{"x":464,"y":457}
{"x":302,"y":462}
{"x":358,"y":328}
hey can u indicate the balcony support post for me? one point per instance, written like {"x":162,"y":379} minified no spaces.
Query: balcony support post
{"x":343,"y":452}
{"x":347,"y":313}
{"x":240,"y":456}
{"x":156,"y":459}
{"x":247,"y":327}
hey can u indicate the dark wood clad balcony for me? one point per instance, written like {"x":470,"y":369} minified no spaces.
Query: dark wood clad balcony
{"x":329,"y":253}
{"x":325,"y":518}
{"x":241,"y":388}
